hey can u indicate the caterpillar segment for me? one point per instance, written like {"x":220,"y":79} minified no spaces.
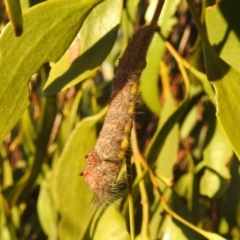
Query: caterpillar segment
{"x":104,"y":162}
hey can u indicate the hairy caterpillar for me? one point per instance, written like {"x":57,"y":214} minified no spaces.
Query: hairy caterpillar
{"x":104,"y":162}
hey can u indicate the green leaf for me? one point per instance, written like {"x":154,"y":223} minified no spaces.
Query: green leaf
{"x":49,"y":28}
{"x":115,"y":229}
{"x":168,"y":153}
{"x":226,"y":83}
{"x":159,"y":137}
{"x":92,"y":46}
{"x":189,"y":123}
{"x":216,"y":156}
{"x":164,"y":225}
{"x":225,"y":80}
{"x":222,"y":22}
{"x":25,"y":4}
{"x":210,"y":184}
{"x":184,"y":185}
{"x":150,"y":77}
{"x":5,"y":233}
{"x":46,"y":213}
{"x":171,"y":230}
{"x":7,"y":173}
{"x":70,"y":193}
{"x":4,"y":229}
{"x":218,"y":153}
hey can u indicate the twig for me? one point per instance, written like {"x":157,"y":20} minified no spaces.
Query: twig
{"x":157,"y":12}
{"x":143,"y":192}
{"x":130,"y":197}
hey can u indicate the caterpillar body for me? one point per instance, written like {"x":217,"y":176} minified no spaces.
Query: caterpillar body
{"x":104,"y":162}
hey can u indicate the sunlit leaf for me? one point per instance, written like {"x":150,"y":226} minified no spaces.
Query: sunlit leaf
{"x":5,"y":233}
{"x":46,"y":213}
{"x":189,"y":123}
{"x":49,"y":28}
{"x":226,"y":83}
{"x":168,"y":154}
{"x":111,"y":225}
{"x":164,"y":225}
{"x":7,"y":173}
{"x":158,"y":139}
{"x":150,"y":78}
{"x":222,"y":22}
{"x":216,"y":156}
{"x":184,"y":184}
{"x":4,"y":230}
{"x":92,"y":45}
{"x":225,"y":80}
{"x":210,"y":184}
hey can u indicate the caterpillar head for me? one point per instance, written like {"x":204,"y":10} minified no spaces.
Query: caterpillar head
{"x":100,"y":176}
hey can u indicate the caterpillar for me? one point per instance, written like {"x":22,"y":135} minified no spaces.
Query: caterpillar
{"x":105,"y":160}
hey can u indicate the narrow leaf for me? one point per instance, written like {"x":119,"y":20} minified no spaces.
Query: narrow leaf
{"x":226,"y":81}
{"x":223,"y":28}
{"x":46,"y":213}
{"x":91,"y":47}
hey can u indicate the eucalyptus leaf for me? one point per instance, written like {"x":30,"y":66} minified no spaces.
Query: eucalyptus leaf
{"x":223,"y":27}
{"x":111,"y":225}
{"x":150,"y":78}
{"x":218,"y":153}
{"x":168,"y":153}
{"x":46,"y":213}
{"x":226,"y":81}
{"x":100,"y":27}
{"x":162,"y":225}
{"x":49,"y":28}
{"x":159,"y":137}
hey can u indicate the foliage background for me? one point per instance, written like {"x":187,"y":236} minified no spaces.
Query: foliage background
{"x":191,"y":159}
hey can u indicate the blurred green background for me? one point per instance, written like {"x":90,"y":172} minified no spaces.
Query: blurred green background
{"x":56,"y":81}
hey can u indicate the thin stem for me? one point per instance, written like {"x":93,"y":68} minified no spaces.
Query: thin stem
{"x":157,"y":12}
{"x":166,"y":207}
{"x":142,"y":187}
{"x":202,"y":77}
{"x":180,"y":65}
{"x":164,"y":79}
{"x":130,"y":197}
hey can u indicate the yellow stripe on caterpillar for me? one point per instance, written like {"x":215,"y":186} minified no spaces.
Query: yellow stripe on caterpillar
{"x":121,"y":154}
{"x":125,"y":143}
{"x":131,"y":109}
{"x":134,"y":89}
{"x":128,"y":127}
